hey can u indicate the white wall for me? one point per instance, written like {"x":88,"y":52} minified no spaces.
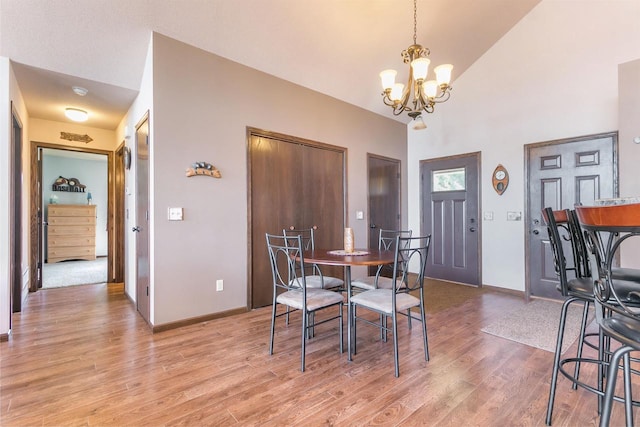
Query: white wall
{"x":5,"y":195}
{"x":202,"y":106}
{"x":629,"y":112}
{"x":554,"y":75}
{"x":10,"y":92}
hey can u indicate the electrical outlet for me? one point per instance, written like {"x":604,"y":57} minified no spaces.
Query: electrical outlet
{"x":219,"y":285}
{"x":488,"y":216}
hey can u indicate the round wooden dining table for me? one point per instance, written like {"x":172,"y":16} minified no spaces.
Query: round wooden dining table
{"x":359,"y":257}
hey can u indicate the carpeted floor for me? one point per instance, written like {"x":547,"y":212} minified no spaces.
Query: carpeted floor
{"x":71,"y":273}
{"x":536,"y":325}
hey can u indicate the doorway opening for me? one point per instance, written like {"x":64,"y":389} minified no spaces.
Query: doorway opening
{"x":71,"y":216}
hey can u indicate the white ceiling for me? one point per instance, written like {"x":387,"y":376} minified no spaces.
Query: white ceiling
{"x":336,"y":47}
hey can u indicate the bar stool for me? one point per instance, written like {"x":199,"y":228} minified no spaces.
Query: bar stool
{"x":578,"y":289}
{"x":608,"y":228}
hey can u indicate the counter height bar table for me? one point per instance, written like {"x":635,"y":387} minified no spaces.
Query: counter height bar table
{"x":620,"y":221}
{"x":362,"y":257}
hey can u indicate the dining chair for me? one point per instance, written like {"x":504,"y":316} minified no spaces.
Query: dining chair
{"x":382,"y":278}
{"x":313,"y":274}
{"x":286,"y":256}
{"x":405,"y":293}
{"x":617,"y":301}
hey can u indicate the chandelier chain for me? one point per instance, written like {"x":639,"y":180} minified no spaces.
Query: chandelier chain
{"x":415,"y":21}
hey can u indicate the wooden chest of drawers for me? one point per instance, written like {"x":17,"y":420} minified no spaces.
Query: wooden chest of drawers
{"x":71,"y":233}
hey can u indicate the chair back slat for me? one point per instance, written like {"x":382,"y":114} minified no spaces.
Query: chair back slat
{"x":557,"y":223}
{"x":410,"y":263}
{"x":286,"y":257}
{"x":387,"y":240}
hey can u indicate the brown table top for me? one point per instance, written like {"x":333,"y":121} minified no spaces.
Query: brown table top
{"x":374,"y":257}
{"x":624,"y":217}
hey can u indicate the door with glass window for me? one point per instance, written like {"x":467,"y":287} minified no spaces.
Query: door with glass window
{"x":450,"y":191}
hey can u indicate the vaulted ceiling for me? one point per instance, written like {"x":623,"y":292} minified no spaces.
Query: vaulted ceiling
{"x":336,"y":47}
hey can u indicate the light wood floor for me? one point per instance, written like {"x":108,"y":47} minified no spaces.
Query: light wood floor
{"x":81,"y":356}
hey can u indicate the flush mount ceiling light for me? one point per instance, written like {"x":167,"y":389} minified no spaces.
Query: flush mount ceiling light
{"x":419,"y":94}
{"x":76,"y":114}
{"x":80,"y":91}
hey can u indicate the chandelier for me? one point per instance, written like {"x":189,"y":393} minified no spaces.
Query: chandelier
{"x":419,"y":94}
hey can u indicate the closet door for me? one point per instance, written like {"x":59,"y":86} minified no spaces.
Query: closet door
{"x":323,"y":192}
{"x":291,"y":184}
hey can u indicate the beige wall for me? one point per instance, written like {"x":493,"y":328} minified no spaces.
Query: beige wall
{"x":49,"y":131}
{"x":202,"y":105}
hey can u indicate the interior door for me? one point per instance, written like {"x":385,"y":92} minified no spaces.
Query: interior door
{"x":295,"y":183}
{"x":323,"y":196}
{"x":274,"y":182}
{"x":15,"y":217}
{"x":41,"y":223}
{"x":119,"y":216}
{"x":562,"y":174}
{"x":142,"y":220}
{"x":450,"y":212}
{"x":383,"y":199}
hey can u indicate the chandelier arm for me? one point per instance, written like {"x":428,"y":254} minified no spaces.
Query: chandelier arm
{"x":444,"y":96}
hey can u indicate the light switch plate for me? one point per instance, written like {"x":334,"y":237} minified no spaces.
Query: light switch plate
{"x":359,"y":215}
{"x":514,"y":216}
{"x":175,"y":214}
{"x":488,"y":216}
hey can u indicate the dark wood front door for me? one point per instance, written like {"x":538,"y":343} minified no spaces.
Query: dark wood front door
{"x":450,"y":213}
{"x":292,"y":183}
{"x":383,"y":199}
{"x":560,"y":175}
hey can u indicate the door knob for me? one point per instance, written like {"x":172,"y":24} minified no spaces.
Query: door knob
{"x":536,"y":231}
{"x":136,"y":229}
{"x":372,"y":226}
{"x":472,"y":229}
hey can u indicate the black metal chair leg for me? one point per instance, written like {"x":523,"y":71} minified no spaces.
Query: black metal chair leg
{"x":612,"y":372}
{"x":628,"y":397}
{"x":556,"y":359}
{"x":583,"y":327}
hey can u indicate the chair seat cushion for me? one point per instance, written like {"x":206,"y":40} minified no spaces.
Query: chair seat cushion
{"x":316,"y":298}
{"x":317,"y":282}
{"x":630,"y":274}
{"x":581,"y":287}
{"x":369,"y":282}
{"x":380,"y":300}
{"x":623,"y":329}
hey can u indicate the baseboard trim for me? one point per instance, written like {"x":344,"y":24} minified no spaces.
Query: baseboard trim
{"x":505,"y":290}
{"x":199,"y":319}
